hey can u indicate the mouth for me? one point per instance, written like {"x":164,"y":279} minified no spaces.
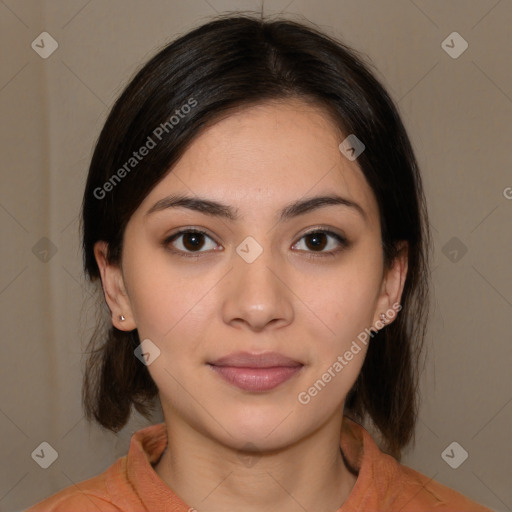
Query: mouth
{"x":256,"y":372}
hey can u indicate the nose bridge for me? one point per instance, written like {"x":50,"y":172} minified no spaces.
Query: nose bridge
{"x":256,"y":293}
{"x":255,"y":265}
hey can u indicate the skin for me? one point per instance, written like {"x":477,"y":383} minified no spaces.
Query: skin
{"x":311,"y":309}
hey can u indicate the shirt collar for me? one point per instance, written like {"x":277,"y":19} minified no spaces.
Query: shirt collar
{"x":375,"y":469}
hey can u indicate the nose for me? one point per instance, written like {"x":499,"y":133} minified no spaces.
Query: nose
{"x":256,"y":294}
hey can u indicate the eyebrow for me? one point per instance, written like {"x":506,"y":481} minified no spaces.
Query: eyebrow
{"x":216,"y":209}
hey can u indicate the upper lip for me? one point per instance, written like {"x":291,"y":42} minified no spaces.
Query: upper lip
{"x":248,"y":360}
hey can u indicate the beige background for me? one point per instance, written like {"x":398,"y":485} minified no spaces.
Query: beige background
{"x":458,"y":112}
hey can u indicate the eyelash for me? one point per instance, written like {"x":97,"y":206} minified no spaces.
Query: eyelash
{"x":342,"y":240}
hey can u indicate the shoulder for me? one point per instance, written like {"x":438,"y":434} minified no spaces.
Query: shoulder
{"x":71,"y":499}
{"x":386,"y":484}
{"x":94,"y":495}
{"x":419,"y":493}
{"x":120,"y":487}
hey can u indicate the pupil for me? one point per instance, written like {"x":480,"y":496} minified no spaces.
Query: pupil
{"x":191,"y":237}
{"x":318,"y":243}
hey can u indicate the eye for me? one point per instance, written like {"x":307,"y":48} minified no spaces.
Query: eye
{"x":192,"y":241}
{"x":316,"y":240}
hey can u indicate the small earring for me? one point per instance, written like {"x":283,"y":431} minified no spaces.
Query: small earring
{"x":122,"y":318}
{"x":383,"y":318}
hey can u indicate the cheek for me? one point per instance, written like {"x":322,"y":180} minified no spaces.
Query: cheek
{"x":152,"y":289}
{"x":167,"y":303}
{"x":344,"y":303}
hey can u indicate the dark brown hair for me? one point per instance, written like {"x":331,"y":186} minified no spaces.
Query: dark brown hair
{"x":227,"y":64}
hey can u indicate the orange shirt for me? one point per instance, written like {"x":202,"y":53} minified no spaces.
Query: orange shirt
{"x":132,"y":485}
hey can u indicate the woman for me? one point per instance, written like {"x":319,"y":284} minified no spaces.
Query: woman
{"x":255,"y":214}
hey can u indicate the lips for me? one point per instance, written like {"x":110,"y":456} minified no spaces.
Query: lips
{"x":256,"y":372}
{"x":264,"y":360}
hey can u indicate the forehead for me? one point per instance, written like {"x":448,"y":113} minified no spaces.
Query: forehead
{"x":264,"y":156}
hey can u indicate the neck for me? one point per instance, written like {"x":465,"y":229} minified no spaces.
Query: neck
{"x":309,"y":475}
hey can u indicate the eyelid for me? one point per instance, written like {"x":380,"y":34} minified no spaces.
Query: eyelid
{"x":324,"y":228}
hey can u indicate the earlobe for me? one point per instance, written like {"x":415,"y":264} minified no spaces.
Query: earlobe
{"x":114,"y":290}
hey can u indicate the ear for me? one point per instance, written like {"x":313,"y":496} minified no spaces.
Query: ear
{"x":114,"y":289}
{"x":392,"y":287}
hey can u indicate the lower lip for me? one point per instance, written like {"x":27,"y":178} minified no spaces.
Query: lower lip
{"x":256,"y":379}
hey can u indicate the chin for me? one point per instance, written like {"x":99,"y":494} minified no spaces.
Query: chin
{"x":268,"y":430}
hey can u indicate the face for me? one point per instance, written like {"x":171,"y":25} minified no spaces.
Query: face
{"x":304,"y":284}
